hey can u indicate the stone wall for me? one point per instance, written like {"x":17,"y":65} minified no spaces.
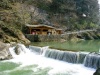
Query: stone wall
{"x":44,"y":38}
{"x":64,"y":37}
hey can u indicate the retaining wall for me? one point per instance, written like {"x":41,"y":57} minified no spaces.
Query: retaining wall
{"x":45,"y":38}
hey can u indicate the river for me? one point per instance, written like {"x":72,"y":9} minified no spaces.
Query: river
{"x":85,"y":45}
{"x":31,"y":63}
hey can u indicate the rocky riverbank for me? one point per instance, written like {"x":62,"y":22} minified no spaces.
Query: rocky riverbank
{"x":5,"y":52}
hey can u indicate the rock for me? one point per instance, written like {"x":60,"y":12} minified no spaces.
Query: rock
{"x":62,"y":40}
{"x":97,"y":72}
{"x":19,"y":48}
{"x":20,"y":35}
{"x":12,"y":44}
{"x":8,"y":39}
{"x":4,"y":51}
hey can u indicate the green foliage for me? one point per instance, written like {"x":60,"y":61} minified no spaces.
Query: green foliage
{"x":5,"y":4}
{"x":62,"y":6}
{"x":88,"y":7}
{"x":69,"y":12}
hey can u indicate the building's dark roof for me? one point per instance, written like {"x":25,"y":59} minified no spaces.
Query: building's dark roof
{"x":42,"y":25}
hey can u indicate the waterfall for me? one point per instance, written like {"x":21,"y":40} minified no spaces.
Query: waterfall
{"x":60,"y":55}
{"x":35,"y":49}
{"x":68,"y":56}
{"x":81,"y":57}
{"x":92,"y":60}
{"x":12,"y":52}
{"x":85,"y":58}
{"x":19,"y":48}
{"x":45,"y":57}
{"x":38,"y":50}
{"x":88,"y":60}
{"x":51,"y":53}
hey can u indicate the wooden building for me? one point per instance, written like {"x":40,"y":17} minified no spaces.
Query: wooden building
{"x":43,"y":29}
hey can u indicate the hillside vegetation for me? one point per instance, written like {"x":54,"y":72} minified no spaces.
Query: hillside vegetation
{"x":11,"y":22}
{"x":67,"y":14}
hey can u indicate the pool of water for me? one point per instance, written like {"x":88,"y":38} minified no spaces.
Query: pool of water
{"x":85,"y":45}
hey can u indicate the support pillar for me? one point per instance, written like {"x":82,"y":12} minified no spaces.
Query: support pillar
{"x":30,"y":30}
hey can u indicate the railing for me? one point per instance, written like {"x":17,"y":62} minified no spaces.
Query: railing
{"x":81,"y":31}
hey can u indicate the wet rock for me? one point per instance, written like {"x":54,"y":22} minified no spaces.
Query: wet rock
{"x":97,"y":72}
{"x":4,"y":51}
{"x":19,"y":48}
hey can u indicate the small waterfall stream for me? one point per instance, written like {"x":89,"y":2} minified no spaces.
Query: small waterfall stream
{"x":68,"y":56}
{"x":92,"y":60}
{"x":85,"y":58}
{"x":61,"y":62}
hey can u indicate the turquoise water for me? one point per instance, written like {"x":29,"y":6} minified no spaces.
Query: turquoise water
{"x":11,"y":68}
{"x":85,"y":45}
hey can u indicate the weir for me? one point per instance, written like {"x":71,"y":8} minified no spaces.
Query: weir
{"x":35,"y":49}
{"x":58,"y":63}
{"x":91,"y":60}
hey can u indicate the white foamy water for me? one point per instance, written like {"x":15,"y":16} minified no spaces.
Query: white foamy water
{"x":58,"y":67}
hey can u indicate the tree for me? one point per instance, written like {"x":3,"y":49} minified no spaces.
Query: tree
{"x":88,"y":7}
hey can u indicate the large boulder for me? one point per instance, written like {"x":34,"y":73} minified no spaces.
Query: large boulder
{"x":4,"y":51}
{"x":19,"y":48}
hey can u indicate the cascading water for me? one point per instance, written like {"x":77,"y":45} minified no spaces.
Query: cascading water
{"x":68,"y":56}
{"x":85,"y":58}
{"x":92,"y":60}
{"x":62,"y":67}
{"x":81,"y":57}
